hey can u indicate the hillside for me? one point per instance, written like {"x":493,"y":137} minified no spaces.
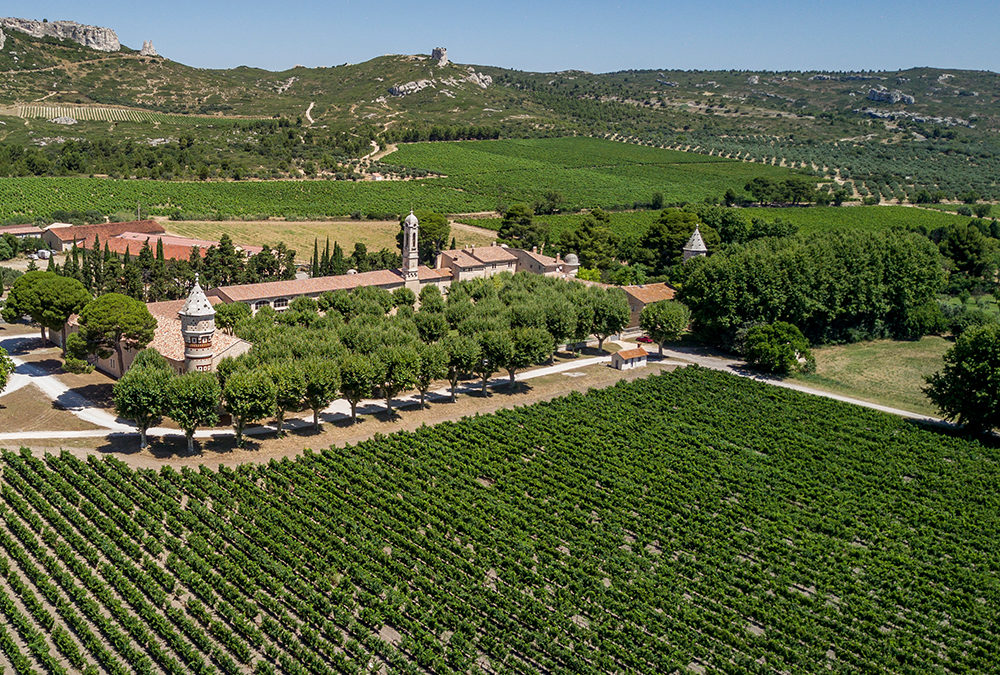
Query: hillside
{"x":935,"y":130}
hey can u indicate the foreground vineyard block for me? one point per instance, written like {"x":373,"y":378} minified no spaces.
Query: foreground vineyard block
{"x":692,"y":518}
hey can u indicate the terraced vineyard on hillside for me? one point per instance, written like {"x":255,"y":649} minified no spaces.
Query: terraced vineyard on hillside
{"x":693,"y":519}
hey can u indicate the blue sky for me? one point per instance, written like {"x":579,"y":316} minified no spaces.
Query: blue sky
{"x":539,"y":35}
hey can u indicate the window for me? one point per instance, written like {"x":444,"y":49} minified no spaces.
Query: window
{"x":261,"y":303}
{"x":281,"y":303}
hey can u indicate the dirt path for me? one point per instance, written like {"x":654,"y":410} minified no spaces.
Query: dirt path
{"x":380,"y":153}
{"x":309,"y":111}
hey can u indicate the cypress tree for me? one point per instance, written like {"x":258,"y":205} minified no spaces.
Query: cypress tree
{"x":337,"y":263}
{"x":314,"y":263}
{"x":324,"y":266}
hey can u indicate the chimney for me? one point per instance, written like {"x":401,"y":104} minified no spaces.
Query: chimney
{"x":558,"y":257}
{"x":534,"y":249}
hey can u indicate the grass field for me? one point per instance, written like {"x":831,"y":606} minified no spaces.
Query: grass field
{"x":886,"y":372}
{"x":809,"y":219}
{"x":299,"y":235}
{"x":478,"y":176}
{"x":690,"y":520}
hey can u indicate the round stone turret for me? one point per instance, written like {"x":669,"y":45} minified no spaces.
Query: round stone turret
{"x":198,"y":327}
{"x":695,"y":246}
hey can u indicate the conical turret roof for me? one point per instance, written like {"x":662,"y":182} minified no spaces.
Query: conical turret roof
{"x":197,"y":303}
{"x":696,"y":243}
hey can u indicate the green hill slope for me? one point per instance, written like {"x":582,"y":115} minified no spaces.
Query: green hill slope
{"x":935,"y":132}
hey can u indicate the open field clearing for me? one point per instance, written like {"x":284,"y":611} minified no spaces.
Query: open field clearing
{"x":478,"y":176}
{"x":28,"y":409}
{"x":693,"y":519}
{"x":885,"y":371}
{"x":299,"y":235}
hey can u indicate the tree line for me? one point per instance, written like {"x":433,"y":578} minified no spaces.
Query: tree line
{"x":370,"y":343}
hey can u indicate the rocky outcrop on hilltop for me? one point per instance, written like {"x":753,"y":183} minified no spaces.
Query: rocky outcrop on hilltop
{"x":3,"y":39}
{"x":440,"y":54}
{"x":95,"y":37}
{"x":885,"y":96}
{"x":481,"y":80}
{"x":148,"y":49}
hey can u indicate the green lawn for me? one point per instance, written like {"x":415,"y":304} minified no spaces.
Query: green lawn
{"x":886,"y":372}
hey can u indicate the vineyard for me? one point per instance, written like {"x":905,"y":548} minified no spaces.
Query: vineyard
{"x":808,"y":219}
{"x":475,"y":176}
{"x":88,"y":113}
{"x":692,"y":520}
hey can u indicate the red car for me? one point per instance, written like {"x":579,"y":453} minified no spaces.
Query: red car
{"x":645,"y":338}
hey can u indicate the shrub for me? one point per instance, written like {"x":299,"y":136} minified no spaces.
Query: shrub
{"x":77,"y":366}
{"x":778,"y":348}
{"x":968,"y":388}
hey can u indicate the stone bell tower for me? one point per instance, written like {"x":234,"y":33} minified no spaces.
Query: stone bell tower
{"x":197,"y":326}
{"x":411,"y":256}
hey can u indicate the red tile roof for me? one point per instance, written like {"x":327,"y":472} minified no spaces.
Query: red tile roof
{"x":492,"y":254}
{"x":168,"y":339}
{"x":171,"y":251}
{"x":649,"y":293}
{"x":318,"y":285}
{"x":84,"y":234}
{"x":638,"y":352}
{"x":18,"y":230}
{"x":476,"y":256}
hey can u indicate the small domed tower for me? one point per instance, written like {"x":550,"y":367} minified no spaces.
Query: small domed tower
{"x":695,"y":246}
{"x":411,"y":256}
{"x":197,"y":326}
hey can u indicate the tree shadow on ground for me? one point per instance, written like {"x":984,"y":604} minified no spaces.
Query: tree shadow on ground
{"x":19,"y":345}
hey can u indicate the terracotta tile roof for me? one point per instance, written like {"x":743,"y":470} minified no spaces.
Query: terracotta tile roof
{"x":492,"y":254}
{"x":133,"y":246}
{"x":167,"y":239}
{"x":86,"y":233}
{"x":462,"y":258}
{"x":546,"y":260}
{"x":168,"y":339}
{"x":17,"y":230}
{"x":648,"y":293}
{"x":428,"y":274}
{"x":318,"y":285}
{"x":632,"y":353}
